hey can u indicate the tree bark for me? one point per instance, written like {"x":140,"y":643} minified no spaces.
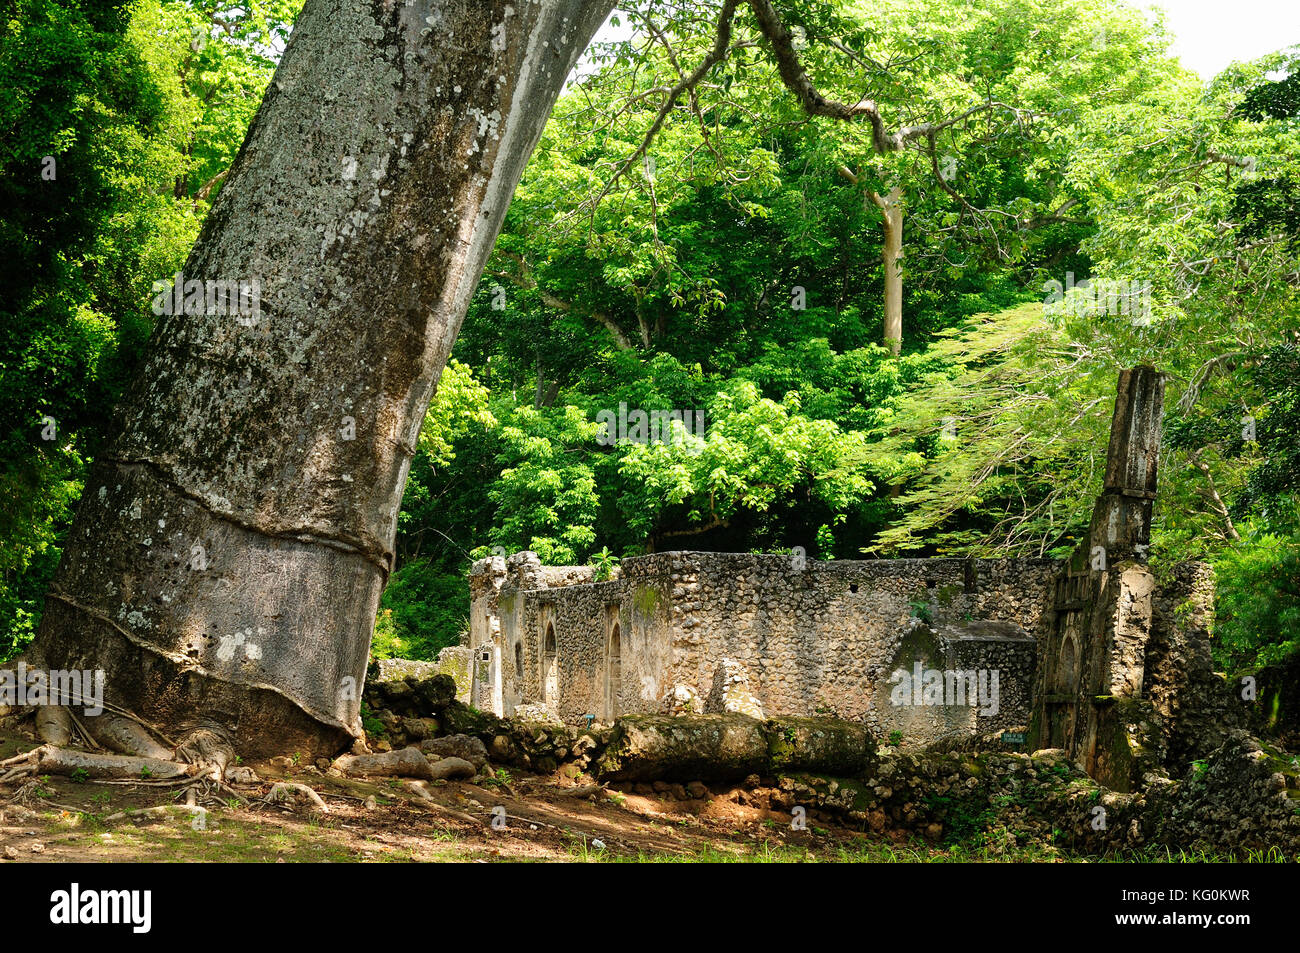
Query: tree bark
{"x":229,"y":552}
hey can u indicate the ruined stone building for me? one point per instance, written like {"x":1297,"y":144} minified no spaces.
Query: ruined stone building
{"x":763,"y":634}
{"x":919,"y":649}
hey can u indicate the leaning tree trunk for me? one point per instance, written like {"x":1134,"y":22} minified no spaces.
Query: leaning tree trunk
{"x":232,"y":543}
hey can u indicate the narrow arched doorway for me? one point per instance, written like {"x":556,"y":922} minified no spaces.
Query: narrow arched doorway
{"x":613,"y":672}
{"x":550,"y":669}
{"x":1062,"y":714}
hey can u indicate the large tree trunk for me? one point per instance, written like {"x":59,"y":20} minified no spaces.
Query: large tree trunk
{"x":891,"y":207}
{"x":228,"y":556}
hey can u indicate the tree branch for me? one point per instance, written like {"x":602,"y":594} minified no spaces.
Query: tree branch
{"x":524,"y":279}
{"x":719,"y":52}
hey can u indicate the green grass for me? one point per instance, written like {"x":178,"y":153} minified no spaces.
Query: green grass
{"x":885,"y":853}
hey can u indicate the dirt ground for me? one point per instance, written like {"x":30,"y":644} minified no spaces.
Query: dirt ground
{"x":511,"y":818}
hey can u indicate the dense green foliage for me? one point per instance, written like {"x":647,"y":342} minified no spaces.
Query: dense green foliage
{"x":731,"y":266}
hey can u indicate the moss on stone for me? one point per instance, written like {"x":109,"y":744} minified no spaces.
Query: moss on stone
{"x":455,"y":665}
{"x":460,"y":718}
{"x":819,"y":744}
{"x":645,"y":600}
{"x":919,"y":643}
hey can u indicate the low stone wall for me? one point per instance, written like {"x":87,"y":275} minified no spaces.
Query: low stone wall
{"x":1242,"y":796}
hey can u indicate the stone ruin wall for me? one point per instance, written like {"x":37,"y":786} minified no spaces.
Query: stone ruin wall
{"x":820,"y":639}
{"x":529,"y":600}
{"x":825,"y":639}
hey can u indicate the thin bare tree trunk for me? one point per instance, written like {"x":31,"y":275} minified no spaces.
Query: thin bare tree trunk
{"x":891,"y":207}
{"x":228,"y":556}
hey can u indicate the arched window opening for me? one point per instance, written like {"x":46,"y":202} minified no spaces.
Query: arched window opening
{"x":550,"y":669}
{"x":1069,"y":666}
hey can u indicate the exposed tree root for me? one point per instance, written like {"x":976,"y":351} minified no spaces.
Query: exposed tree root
{"x":67,"y":762}
{"x":114,"y":729}
{"x":26,"y":793}
{"x":126,"y":736}
{"x":201,"y":765}
{"x":18,"y":766}
{"x":53,"y":726}
{"x":140,"y":782}
{"x":25,"y":756}
{"x":83,"y":733}
{"x":284,"y":790}
{"x":161,"y":810}
{"x":210,"y":747}
{"x":143,"y":754}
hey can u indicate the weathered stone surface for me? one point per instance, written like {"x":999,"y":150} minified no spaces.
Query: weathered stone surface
{"x":841,"y":748}
{"x":465,"y":747}
{"x":731,"y":747}
{"x":406,"y":763}
{"x":537,"y":714}
{"x":451,"y":769}
{"x":697,"y":747}
{"x":435,"y":693}
{"x":400,"y":669}
{"x":455,"y":661}
{"x":731,"y":693}
{"x":465,"y":719}
{"x":682,"y":700}
{"x":412,"y":696}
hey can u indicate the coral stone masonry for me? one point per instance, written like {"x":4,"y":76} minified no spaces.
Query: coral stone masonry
{"x":922,"y":647}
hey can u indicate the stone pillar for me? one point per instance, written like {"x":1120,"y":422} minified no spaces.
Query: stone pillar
{"x":485,"y":580}
{"x":1121,"y":518}
{"x":1090,"y":681}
